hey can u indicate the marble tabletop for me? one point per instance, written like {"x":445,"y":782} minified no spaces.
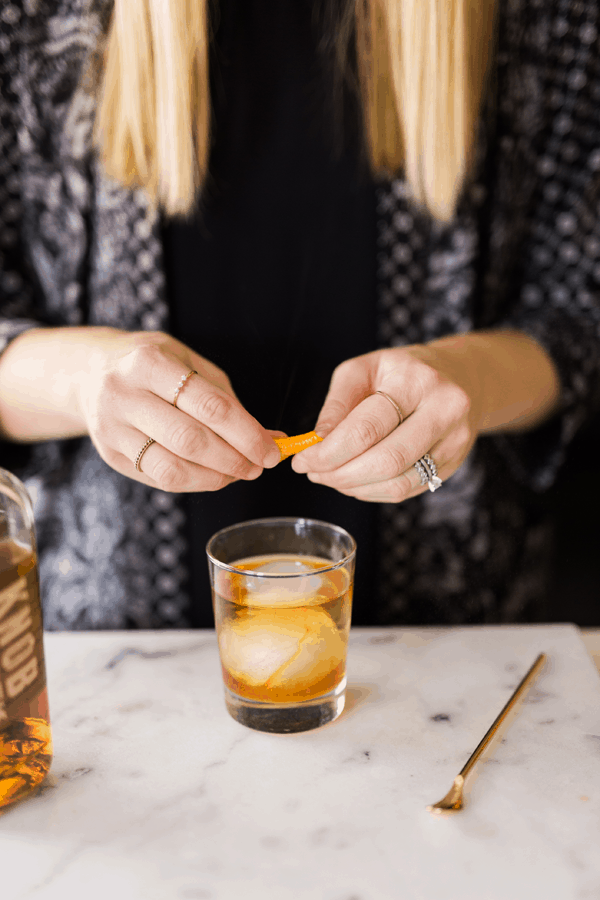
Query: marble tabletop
{"x":157,"y":794}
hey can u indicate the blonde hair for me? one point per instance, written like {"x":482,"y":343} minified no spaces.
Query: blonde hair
{"x":422,"y":67}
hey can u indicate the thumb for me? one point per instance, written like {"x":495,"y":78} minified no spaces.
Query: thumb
{"x":350,"y":384}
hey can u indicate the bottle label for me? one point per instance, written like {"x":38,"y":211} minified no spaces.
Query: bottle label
{"x":22,"y":670}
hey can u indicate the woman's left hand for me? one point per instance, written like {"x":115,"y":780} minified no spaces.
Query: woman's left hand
{"x":449,"y":392}
{"x":366,"y":454}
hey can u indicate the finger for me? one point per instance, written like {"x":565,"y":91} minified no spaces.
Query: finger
{"x":188,"y":439}
{"x":425,"y":429}
{"x":365,"y":426}
{"x":159,"y":468}
{"x":351,"y":382}
{"x":406,"y":485}
{"x":435,"y":418}
{"x":226,"y":417}
{"x":151,"y":367}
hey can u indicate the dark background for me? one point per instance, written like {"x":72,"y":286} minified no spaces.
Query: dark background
{"x":575,"y":588}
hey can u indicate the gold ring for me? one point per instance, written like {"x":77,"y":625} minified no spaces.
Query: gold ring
{"x":181,"y":384}
{"x":138,"y":458}
{"x":394,"y":404}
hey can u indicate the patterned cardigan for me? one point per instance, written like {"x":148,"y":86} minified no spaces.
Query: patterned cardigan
{"x":523,"y":251}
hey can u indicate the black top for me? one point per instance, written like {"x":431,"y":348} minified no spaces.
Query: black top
{"x":523,"y":252}
{"x":274,"y":279}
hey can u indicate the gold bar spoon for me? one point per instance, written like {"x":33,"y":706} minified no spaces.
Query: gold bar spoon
{"x":453,"y":801}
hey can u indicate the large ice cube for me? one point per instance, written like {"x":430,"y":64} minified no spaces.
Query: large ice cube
{"x":283,"y":592}
{"x":281,"y":649}
{"x":307,"y":585}
{"x":284,"y":566}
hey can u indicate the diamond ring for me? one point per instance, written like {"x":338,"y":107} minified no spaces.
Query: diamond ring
{"x":427,"y":470}
{"x":181,"y":384}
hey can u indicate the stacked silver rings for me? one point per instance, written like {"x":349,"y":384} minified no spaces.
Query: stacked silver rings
{"x":427,"y":470}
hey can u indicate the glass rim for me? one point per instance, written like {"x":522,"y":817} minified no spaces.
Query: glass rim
{"x":288,"y":520}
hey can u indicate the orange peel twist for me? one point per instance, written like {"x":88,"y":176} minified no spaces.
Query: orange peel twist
{"x":290,"y":445}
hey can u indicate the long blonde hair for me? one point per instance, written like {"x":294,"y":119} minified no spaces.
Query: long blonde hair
{"x":422,"y":67}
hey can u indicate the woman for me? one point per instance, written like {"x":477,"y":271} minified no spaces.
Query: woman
{"x":477,"y":141}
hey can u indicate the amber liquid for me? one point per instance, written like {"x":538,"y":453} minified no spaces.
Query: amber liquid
{"x":283,"y":639}
{"x":25,"y":735}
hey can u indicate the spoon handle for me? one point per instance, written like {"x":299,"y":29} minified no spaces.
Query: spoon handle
{"x":521,"y":688}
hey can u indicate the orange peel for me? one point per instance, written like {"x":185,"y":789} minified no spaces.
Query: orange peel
{"x":290,"y":445}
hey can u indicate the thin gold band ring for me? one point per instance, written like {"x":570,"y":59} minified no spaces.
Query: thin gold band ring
{"x":394,"y":404}
{"x":181,"y":384}
{"x":141,"y":452}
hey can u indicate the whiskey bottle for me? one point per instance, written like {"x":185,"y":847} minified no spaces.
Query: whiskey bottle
{"x":25,"y":735}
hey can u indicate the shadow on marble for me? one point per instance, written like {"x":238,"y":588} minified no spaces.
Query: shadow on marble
{"x":357,"y":695}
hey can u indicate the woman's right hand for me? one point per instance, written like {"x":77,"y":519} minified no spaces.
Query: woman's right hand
{"x":206,"y":442}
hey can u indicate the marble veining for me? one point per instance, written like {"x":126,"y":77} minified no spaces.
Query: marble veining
{"x":156,"y":794}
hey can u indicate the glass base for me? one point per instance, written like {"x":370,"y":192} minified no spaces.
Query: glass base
{"x":286,"y":718}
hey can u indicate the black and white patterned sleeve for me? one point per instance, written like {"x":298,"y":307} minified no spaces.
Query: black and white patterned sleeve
{"x":16,"y":283}
{"x":18,"y":308}
{"x":556,"y":139}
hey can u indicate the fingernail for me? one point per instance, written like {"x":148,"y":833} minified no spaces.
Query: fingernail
{"x":253,"y":473}
{"x":272,"y":457}
{"x":323,"y":429}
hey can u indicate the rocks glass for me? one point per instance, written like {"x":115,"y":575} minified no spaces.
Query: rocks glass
{"x":282,"y":595}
